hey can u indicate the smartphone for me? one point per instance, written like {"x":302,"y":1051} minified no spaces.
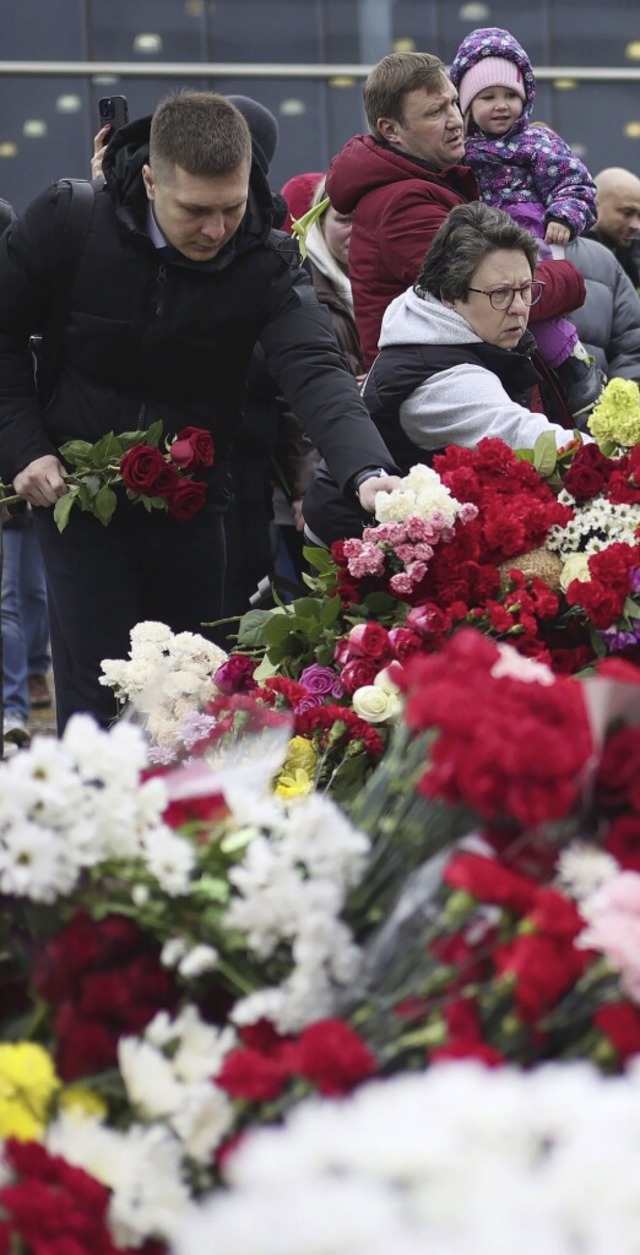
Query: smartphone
{"x":114,"y":112}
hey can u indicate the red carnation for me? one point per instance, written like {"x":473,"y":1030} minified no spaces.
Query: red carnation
{"x":620,"y":1022}
{"x":331,"y":1054}
{"x":488,"y":881}
{"x":253,"y":1076}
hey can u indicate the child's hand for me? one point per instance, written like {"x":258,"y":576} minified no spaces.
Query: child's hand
{"x":556,"y":233}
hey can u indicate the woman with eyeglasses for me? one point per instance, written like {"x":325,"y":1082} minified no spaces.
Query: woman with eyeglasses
{"x":456,"y":360}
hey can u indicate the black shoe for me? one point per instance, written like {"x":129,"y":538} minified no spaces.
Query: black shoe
{"x":582,"y":382}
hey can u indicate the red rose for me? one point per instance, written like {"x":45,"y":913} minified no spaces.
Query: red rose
{"x":186,"y":499}
{"x":402,"y":642}
{"x":236,"y":674}
{"x":331,"y":1055}
{"x":587,"y":474}
{"x":144,"y":470}
{"x":192,"y":448}
{"x":369,"y":640}
{"x":358,"y":671}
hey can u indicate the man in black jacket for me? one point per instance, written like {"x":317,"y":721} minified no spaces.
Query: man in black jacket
{"x":618,"y":223}
{"x":179,"y":275}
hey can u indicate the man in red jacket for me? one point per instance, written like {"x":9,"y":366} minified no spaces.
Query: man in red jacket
{"x":400,"y":182}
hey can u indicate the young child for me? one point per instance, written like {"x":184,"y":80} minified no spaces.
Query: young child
{"x":533,"y":175}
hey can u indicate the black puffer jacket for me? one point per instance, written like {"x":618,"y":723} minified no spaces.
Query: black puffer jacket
{"x":150,"y":338}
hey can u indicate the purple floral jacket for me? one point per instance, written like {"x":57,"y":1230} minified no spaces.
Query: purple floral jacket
{"x":530,"y":164}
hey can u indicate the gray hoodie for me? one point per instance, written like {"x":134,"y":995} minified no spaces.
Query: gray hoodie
{"x":463,"y":403}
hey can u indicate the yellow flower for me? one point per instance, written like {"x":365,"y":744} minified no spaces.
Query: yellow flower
{"x":81,"y":1102}
{"x":616,"y":418}
{"x":300,"y":753}
{"x":576,"y":567}
{"x":28,"y":1082}
{"x":294,"y":784}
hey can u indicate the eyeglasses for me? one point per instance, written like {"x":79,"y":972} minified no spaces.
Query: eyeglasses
{"x":502,"y":298}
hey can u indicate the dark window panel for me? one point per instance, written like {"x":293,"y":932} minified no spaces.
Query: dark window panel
{"x":44,"y":30}
{"x":594,"y":116}
{"x":115,"y":23}
{"x":592,"y":34}
{"x":252,"y":30}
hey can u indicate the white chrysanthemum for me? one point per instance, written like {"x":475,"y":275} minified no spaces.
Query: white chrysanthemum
{"x":203,"y":1120}
{"x":173,"y":951}
{"x":34,"y":864}
{"x":459,"y":1159}
{"x":198,"y":960}
{"x":149,"y":1078}
{"x":197,"y":1048}
{"x":170,"y":858}
{"x":583,"y":868}
{"x":595,"y":526}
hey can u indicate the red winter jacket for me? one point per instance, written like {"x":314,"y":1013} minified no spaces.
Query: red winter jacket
{"x":398,"y":203}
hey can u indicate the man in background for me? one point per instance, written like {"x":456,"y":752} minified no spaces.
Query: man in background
{"x":618,"y":223}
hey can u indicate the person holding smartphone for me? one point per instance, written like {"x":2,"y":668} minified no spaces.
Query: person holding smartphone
{"x":177,"y":279}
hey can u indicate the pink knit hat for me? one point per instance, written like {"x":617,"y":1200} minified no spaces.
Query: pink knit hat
{"x":490,"y":72}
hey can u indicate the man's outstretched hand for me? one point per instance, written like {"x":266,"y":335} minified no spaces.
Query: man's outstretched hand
{"x":369,"y":488}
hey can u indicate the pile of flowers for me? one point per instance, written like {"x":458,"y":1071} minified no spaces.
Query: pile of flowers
{"x":189,"y":954}
{"x":380,"y":866}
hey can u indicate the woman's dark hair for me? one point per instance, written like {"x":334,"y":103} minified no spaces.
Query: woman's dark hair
{"x":470,"y":233}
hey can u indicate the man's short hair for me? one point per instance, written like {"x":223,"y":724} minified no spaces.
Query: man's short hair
{"x":393,"y":78}
{"x":201,"y":132}
{"x":468,"y":235}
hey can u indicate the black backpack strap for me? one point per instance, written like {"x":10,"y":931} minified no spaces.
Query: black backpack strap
{"x":48,"y":352}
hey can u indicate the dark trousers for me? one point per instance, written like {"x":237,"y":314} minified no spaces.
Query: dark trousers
{"x":101,"y":581}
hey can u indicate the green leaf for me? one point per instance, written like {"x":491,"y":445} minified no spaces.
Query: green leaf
{"x":252,"y":625}
{"x":76,"y":452}
{"x":62,"y":509}
{"x":545,"y":454}
{"x":330,"y":611}
{"x":88,"y":489}
{"x":265,"y":670}
{"x":104,"y":504}
{"x":108,"y":449}
{"x":319,"y":559}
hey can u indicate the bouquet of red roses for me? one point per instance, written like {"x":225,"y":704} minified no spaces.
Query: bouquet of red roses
{"x":157,"y":479}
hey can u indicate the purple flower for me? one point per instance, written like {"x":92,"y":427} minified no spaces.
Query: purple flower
{"x":308,"y":703}
{"x":634,"y":579}
{"x":321,"y":680}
